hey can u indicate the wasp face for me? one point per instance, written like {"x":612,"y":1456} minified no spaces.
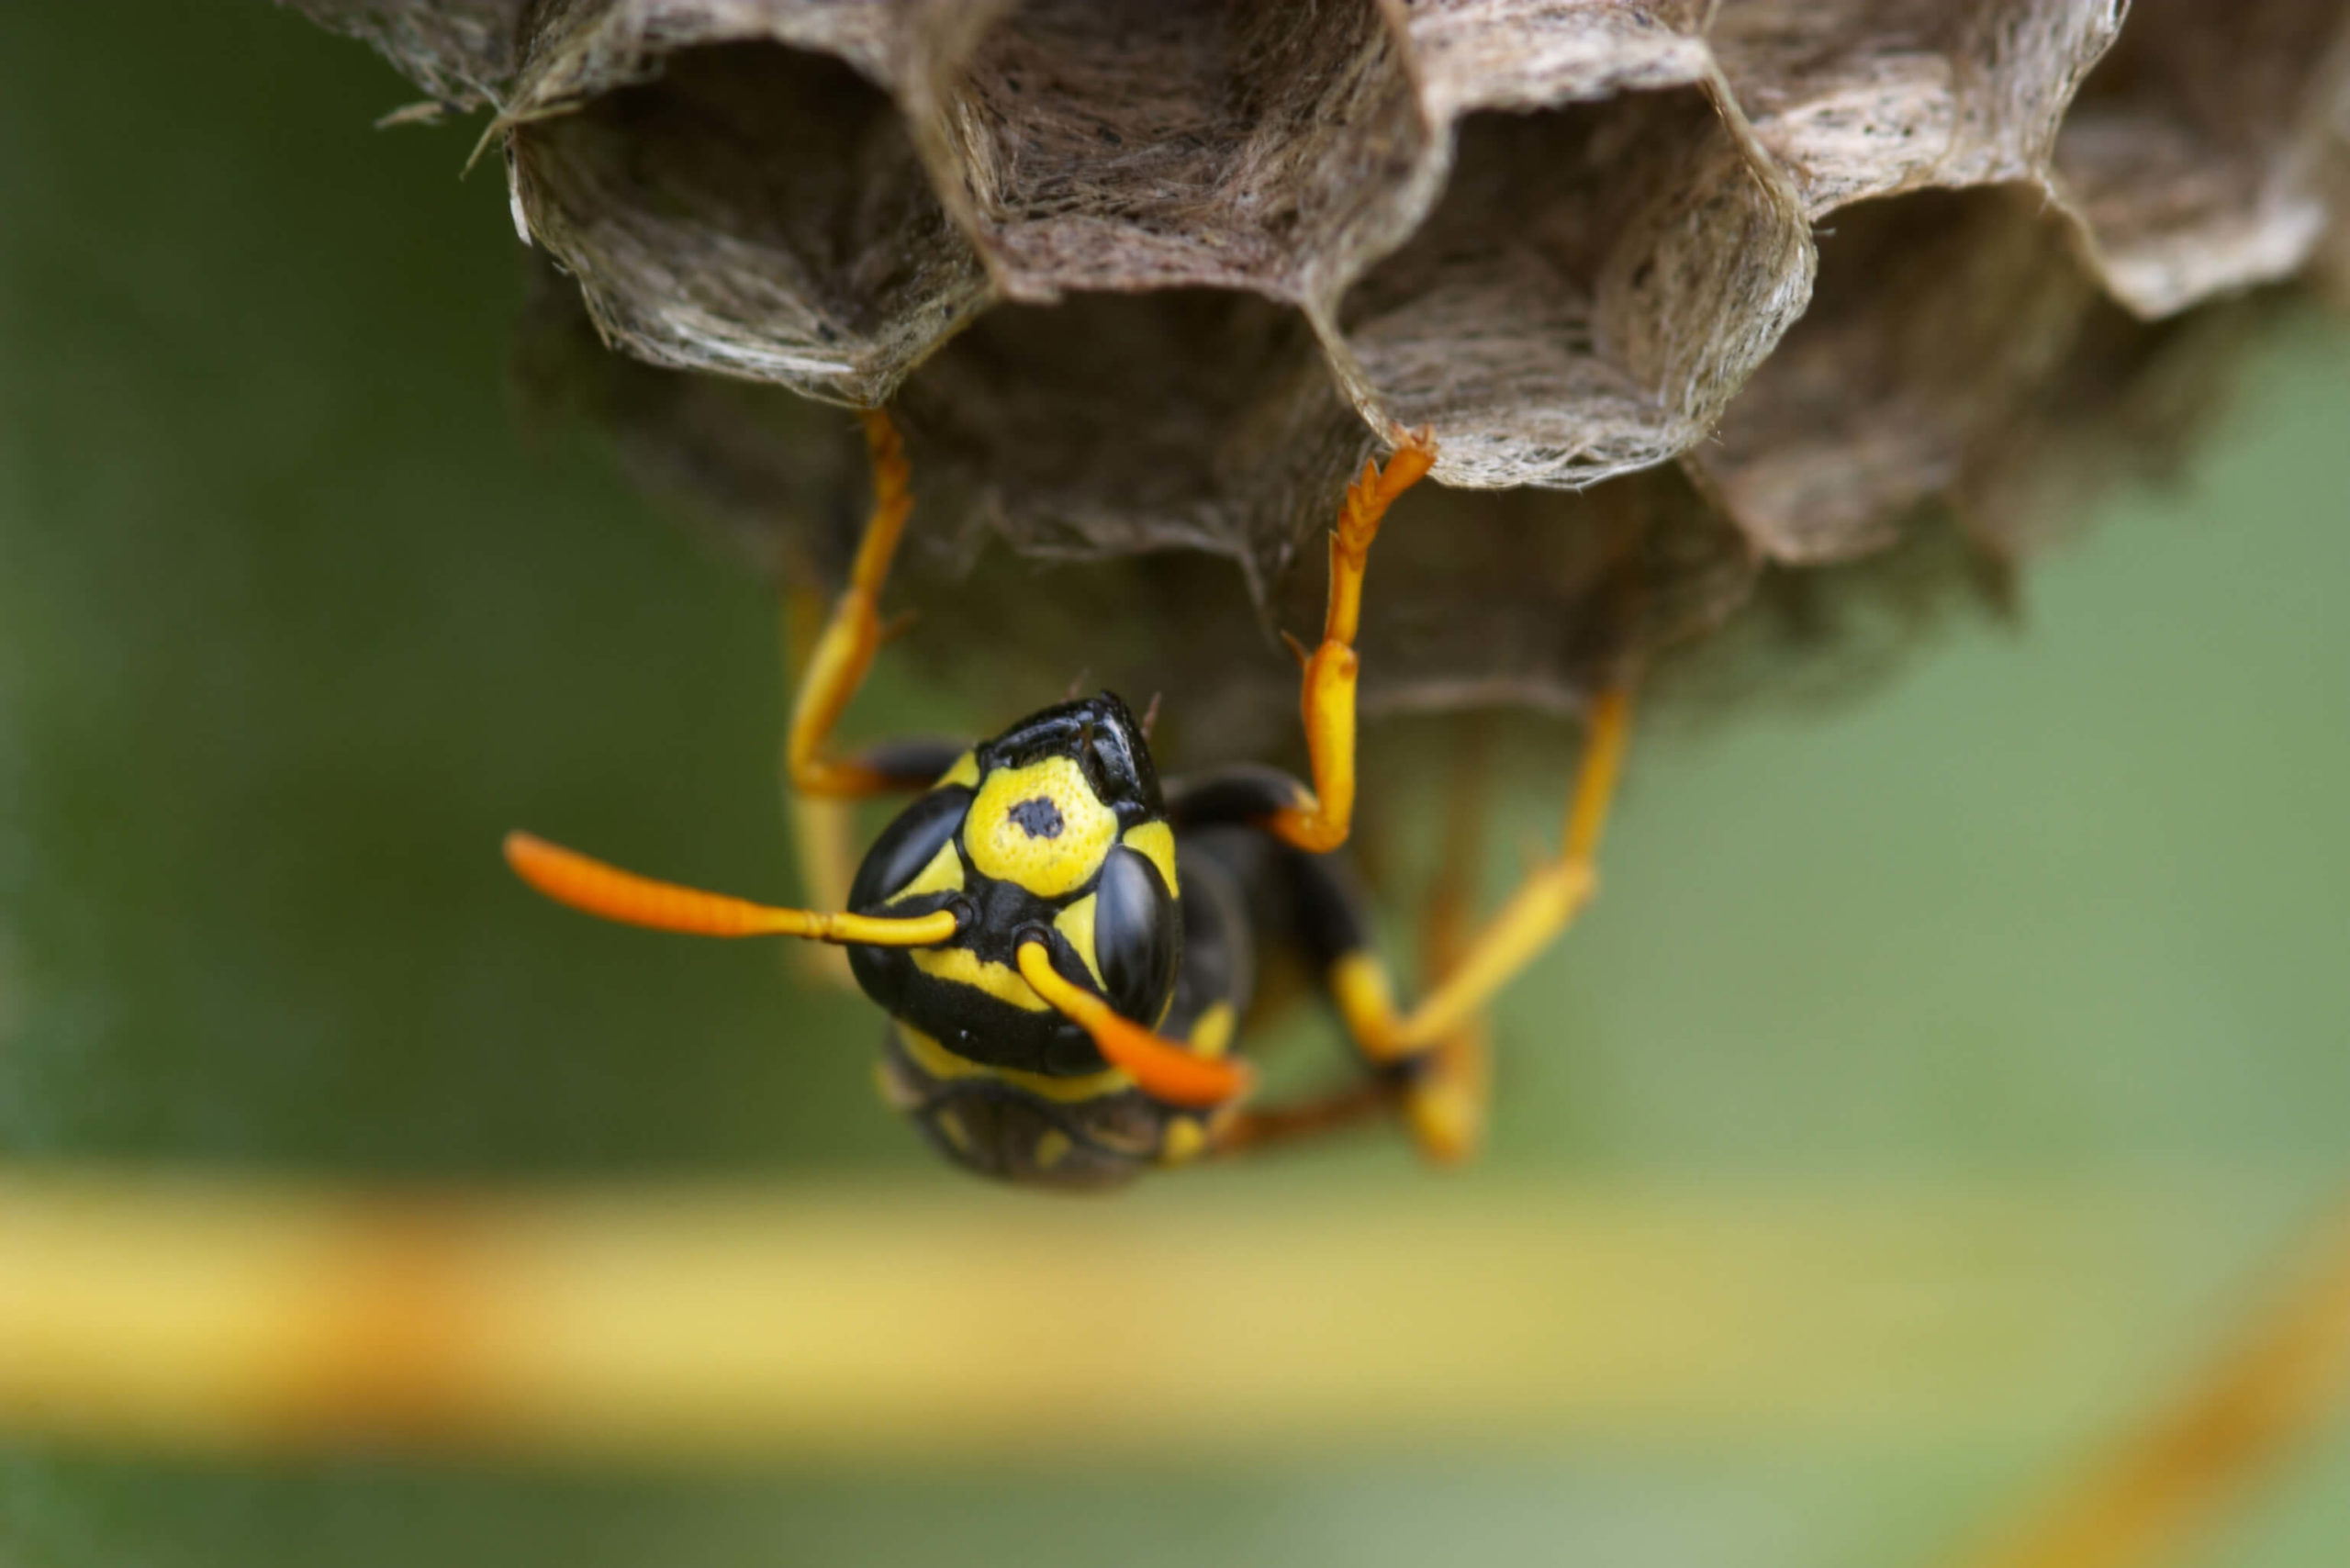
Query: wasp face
{"x":1053,"y":831}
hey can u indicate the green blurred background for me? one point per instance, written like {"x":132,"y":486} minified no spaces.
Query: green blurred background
{"x":297,"y":615}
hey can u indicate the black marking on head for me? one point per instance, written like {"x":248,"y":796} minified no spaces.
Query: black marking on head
{"x":1037,"y":817}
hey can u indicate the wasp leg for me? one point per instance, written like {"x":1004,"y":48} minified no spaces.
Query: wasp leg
{"x":1254,"y":1131}
{"x":1545,"y":904}
{"x":1321,"y":912}
{"x":1445,"y":1100}
{"x":1441,"y":1091}
{"x":835,"y":666}
{"x":1318,"y":820}
{"x":823,"y":828}
{"x":825,"y":660}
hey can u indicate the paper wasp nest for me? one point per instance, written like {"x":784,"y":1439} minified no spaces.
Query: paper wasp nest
{"x":1707,"y":301}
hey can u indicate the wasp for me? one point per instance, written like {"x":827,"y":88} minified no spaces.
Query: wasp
{"x":1066,"y":945}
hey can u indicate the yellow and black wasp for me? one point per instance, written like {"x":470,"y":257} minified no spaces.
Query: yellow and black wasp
{"x":1066,"y":946}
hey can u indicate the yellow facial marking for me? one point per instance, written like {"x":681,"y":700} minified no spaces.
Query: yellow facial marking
{"x":1212,"y":1035}
{"x":1155,"y":842}
{"x":1051,"y":1149}
{"x":1181,"y":1142}
{"x":962,"y":966}
{"x":1041,"y":826}
{"x":965,"y":771}
{"x":943,"y":875}
{"x":944,"y":1066}
{"x":1076,"y":923}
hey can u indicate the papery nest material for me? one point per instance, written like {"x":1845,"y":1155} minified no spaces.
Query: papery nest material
{"x":1147,"y":279}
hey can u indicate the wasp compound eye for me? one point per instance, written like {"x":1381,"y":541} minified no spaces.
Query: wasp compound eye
{"x":1137,"y":935}
{"x":915,"y":854}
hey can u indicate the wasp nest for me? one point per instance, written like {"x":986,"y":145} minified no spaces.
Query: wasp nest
{"x":1724,"y":297}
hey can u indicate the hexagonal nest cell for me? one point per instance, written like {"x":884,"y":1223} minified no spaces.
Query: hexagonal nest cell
{"x":1729,"y":300}
{"x":1554,"y":319}
{"x":2199,"y":155}
{"x":757,"y":210}
{"x":1135,"y":144}
{"x":1188,"y":418}
{"x":1933,"y":316}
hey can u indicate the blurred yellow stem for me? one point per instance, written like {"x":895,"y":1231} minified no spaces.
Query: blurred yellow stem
{"x":927,"y":1318}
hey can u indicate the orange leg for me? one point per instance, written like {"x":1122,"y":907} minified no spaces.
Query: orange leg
{"x":1445,"y":1102}
{"x":844,"y":652}
{"x":1320,"y":818}
{"x":1273,"y":1126}
{"x":1443,"y":1096}
{"x":1545,"y":904}
{"x":823,"y":828}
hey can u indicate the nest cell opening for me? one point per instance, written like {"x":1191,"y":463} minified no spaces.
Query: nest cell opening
{"x":1157,"y":144}
{"x":754,"y":208}
{"x":1120,"y":423}
{"x":1538,"y":599}
{"x":1932,"y":316}
{"x":2196,"y":155}
{"x":1596,"y":280}
{"x":1862,"y":98}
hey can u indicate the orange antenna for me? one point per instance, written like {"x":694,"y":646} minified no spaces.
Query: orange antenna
{"x":591,"y":886}
{"x":1160,"y":1068}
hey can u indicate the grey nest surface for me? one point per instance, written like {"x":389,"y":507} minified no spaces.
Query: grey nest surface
{"x":1697,"y":298}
